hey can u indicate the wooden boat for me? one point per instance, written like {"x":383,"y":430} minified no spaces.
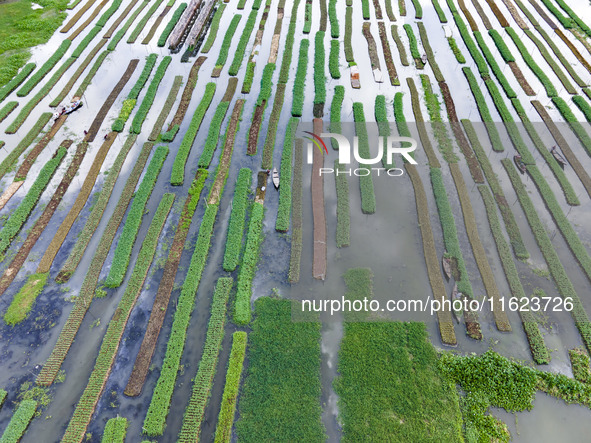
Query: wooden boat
{"x":558,"y":157}
{"x":424,"y":59}
{"x":355,"y":77}
{"x":519,"y":163}
{"x":454,"y":293}
{"x":446,"y":263}
{"x":275,"y":178}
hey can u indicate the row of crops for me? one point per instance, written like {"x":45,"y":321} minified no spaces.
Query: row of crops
{"x":160,"y":215}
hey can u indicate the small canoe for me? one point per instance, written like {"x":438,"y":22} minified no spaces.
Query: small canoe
{"x":446,"y":263}
{"x":454,"y":292}
{"x":558,"y":157}
{"x":519,"y":163}
{"x":72,"y":107}
{"x":424,"y":59}
{"x":275,"y":178}
{"x":355,"y":77}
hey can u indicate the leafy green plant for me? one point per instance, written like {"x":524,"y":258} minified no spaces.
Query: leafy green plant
{"x":143,"y":78}
{"x":16,"y":80}
{"x":440,"y":13}
{"x":225,"y":49}
{"x":177,"y":15}
{"x":223,"y":431}
{"x":580,"y":364}
{"x":299,"y":85}
{"x":456,"y":50}
{"x":494,"y":66}
{"x":178,"y":167}
{"x":142,"y":23}
{"x":289,"y":40}
{"x":573,"y":122}
{"x":365,"y":9}
{"x":348,"y":35}
{"x":248,"y":266}
{"x":564,"y":21}
{"x":472,"y":49}
{"x":19,"y":421}
{"x":333,"y":62}
{"x":335,"y":112}
{"x":23,"y":301}
{"x":307,"y":18}
{"x":213,"y":135}
{"x":131,"y":227}
{"x":412,"y":40}
{"x":115,"y":430}
{"x":501,"y":46}
{"x":381,"y":117}
{"x":7,"y":109}
{"x":86,"y":41}
{"x":581,"y":103}
{"x":343,"y":210}
{"x":334,"y":21}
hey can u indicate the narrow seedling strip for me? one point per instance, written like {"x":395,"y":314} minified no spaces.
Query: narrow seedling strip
{"x":130,"y":102}
{"x":142,"y":112}
{"x":579,"y":359}
{"x":453,"y":45}
{"x":237,"y":220}
{"x":432,"y":159}
{"x":20,"y":215}
{"x":90,"y":76}
{"x":319,"y":75}
{"x":373,"y":52}
{"x":368,"y":198}
{"x":96,"y":214}
{"x":90,"y":19}
{"x":557,"y":271}
{"x":508,"y":218}
{"x":213,"y":28}
{"x":564,"y":146}
{"x":171,"y":24}
{"x":124,"y":14}
{"x":254,"y":238}
{"x":241,"y":46}
{"x":414,"y":49}
{"x":122,"y":255}
{"x":44,"y":69}
{"x":10,"y":160}
{"x":429,"y":53}
{"x":223,"y":431}
{"x":178,"y":168}
{"x":87,"y":291}
{"x":276,"y":341}
{"x":114,"y":41}
{"x":399,"y":46}
{"x":213,"y":135}
{"x":494,"y":66}
{"x":168,"y":104}
{"x":140,"y":26}
{"x":16,"y":81}
{"x":538,"y":348}
{"x":115,"y":430}
{"x":19,"y":422}
{"x":381,"y":116}
{"x":333,"y":59}
{"x":260,"y":107}
{"x":348,"y":36}
{"x":23,"y":300}
{"x":158,"y":311}
{"x":110,"y":344}
{"x":203,"y":381}
{"x":343,"y":210}
{"x":284,"y":209}
{"x":573,"y":122}
{"x":157,"y":22}
{"x":335,"y":112}
{"x":155,"y":420}
{"x":299,"y":85}
{"x":269,"y":146}
{"x":74,"y":78}
{"x":296,"y":215}
{"x":181,"y":110}
{"x":307,"y":17}
{"x":7,"y":109}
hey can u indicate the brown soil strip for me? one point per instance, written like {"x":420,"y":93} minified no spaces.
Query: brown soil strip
{"x":399,"y":45}
{"x":89,"y":181}
{"x":543,"y":14}
{"x":22,"y":172}
{"x":262,"y":179}
{"x":469,"y":17}
{"x":174,"y":90}
{"x":573,"y":49}
{"x":446,"y":328}
{"x":86,"y":294}
{"x":388,"y":55}
{"x":158,"y":312}
{"x":463,"y":143}
{"x":274,"y":48}
{"x":521,"y":79}
{"x":372,"y":47}
{"x":77,"y":16}
{"x":100,"y":117}
{"x":498,"y":14}
{"x":154,"y":27}
{"x":187,"y":93}
{"x":482,"y":14}
{"x":41,"y":223}
{"x":378,"y":8}
{"x":582,"y":38}
{"x":117,"y":22}
{"x":255,"y":127}
{"x":81,"y":28}
{"x":513,"y":11}
{"x":10,"y":191}
{"x":296,"y":214}
{"x":224,"y":163}
{"x":423,"y":135}
{"x":79,"y":71}
{"x":319,"y":216}
{"x":564,"y":147}
{"x":230,"y":90}
{"x":500,"y":316}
